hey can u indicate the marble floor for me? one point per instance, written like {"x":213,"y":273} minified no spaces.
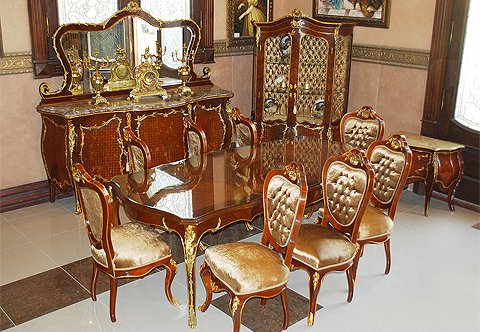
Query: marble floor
{"x":434,"y":284}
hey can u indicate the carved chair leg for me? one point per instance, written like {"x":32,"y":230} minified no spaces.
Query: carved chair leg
{"x":351,"y":284}
{"x":315,"y":282}
{"x":113,"y":298}
{"x":286,"y":317}
{"x":386,"y":244}
{"x":236,"y":308}
{"x":206,"y":276}
{"x":171,"y":269}
{"x":263,"y":301}
{"x":93,"y":284}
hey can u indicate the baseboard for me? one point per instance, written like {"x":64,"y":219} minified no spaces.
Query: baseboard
{"x":26,"y":195}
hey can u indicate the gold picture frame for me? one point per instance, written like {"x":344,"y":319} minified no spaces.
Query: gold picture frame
{"x":240,"y":14}
{"x":373,"y":13}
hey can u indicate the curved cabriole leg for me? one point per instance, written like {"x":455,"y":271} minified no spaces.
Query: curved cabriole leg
{"x":351,"y":284}
{"x":93,"y":284}
{"x":206,"y":276}
{"x":315,"y":282}
{"x":353,"y":273}
{"x":386,"y":244}
{"x":236,"y":307}
{"x":113,"y":298}
{"x":171,"y":269}
{"x":286,"y":317}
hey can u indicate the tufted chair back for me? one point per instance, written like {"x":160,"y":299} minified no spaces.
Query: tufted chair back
{"x":347,"y":189}
{"x":359,"y":129}
{"x":391,"y":160}
{"x":97,"y":211}
{"x":245,"y":132}
{"x":284,"y":198}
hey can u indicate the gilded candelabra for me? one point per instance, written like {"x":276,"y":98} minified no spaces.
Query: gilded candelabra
{"x":76,"y":67}
{"x":158,"y":58}
{"x":97,"y":80}
{"x":183,"y":71}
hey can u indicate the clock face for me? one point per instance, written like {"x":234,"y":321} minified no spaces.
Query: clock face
{"x":121,"y":71}
{"x":149,"y":78}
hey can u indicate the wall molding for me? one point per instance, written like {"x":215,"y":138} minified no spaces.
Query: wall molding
{"x":384,"y":55}
{"x":391,"y":56}
{"x":16,"y":63}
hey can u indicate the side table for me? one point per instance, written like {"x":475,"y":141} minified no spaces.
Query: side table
{"x":435,"y":162}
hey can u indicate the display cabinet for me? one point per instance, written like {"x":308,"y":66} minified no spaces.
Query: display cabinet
{"x":301,"y":76}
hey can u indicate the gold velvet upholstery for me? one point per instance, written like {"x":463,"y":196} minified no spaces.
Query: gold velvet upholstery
{"x":374,"y":223}
{"x":138,"y":160}
{"x":361,"y":128}
{"x":93,"y":212}
{"x":194,"y":145}
{"x":247,"y":267}
{"x":331,"y":247}
{"x":389,"y":166}
{"x":244,"y":136}
{"x":345,"y":190}
{"x":318,"y":247}
{"x":135,"y":245}
{"x":282,"y":206}
{"x":118,"y":250}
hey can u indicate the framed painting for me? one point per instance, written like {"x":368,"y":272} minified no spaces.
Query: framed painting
{"x":241,"y":14}
{"x":374,"y":13}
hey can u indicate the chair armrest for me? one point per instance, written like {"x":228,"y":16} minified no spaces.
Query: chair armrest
{"x":239,"y":120}
{"x":195,"y":138}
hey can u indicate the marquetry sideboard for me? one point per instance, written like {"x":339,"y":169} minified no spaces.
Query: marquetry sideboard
{"x":76,"y":131}
{"x":435,"y":162}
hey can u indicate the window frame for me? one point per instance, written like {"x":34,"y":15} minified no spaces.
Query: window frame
{"x":43,"y":15}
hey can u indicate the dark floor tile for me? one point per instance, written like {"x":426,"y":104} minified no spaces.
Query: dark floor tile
{"x":477,"y":225}
{"x":40,"y":294}
{"x":268,"y":317}
{"x":231,"y":233}
{"x":5,"y":322}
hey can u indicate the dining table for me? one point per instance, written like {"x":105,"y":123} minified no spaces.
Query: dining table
{"x":208,"y":192}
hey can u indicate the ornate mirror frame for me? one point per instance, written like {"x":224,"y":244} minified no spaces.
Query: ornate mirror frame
{"x":131,"y":10}
{"x":43,"y":16}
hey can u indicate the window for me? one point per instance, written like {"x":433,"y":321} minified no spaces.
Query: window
{"x":47,"y":15}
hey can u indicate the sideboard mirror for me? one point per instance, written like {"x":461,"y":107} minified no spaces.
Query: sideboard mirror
{"x":115,"y":47}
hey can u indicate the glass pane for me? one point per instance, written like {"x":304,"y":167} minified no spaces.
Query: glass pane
{"x":87,"y":11}
{"x":167,"y":10}
{"x":467,"y":109}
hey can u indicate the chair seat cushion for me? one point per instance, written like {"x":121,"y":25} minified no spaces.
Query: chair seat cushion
{"x":135,"y":245}
{"x":246,"y":267}
{"x":375,"y":223}
{"x":321,"y":247}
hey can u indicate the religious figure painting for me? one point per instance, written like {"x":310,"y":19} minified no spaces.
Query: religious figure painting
{"x":362,"y":12}
{"x":240,"y":17}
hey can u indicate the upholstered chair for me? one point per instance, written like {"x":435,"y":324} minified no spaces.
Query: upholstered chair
{"x":359,"y":129}
{"x":391,"y":160}
{"x":245,"y":131}
{"x":331,"y":246}
{"x":119,"y":250}
{"x":187,"y":139}
{"x":246,"y":270}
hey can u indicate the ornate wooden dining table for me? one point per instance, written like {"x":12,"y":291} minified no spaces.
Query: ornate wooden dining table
{"x":205,"y":193}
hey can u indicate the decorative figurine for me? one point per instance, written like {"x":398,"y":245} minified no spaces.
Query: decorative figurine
{"x":76,"y":66}
{"x":97,"y":80}
{"x":183,"y":72}
{"x":147,"y":79}
{"x":121,"y":73}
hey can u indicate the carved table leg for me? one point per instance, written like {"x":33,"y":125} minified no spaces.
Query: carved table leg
{"x":190,"y":244}
{"x":453,"y":186}
{"x":430,"y":181}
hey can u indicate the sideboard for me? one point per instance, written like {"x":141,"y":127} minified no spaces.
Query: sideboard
{"x":76,"y":131}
